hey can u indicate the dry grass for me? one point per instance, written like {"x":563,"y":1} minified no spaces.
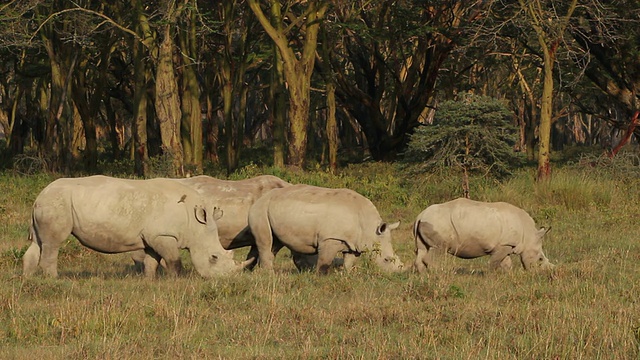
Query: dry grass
{"x":588,"y":308}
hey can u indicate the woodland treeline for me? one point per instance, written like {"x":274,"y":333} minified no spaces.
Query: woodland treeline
{"x":201,"y":81}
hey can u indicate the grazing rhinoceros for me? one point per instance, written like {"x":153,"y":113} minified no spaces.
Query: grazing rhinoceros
{"x":234,"y":197}
{"x":110,"y":215}
{"x":314,"y":220}
{"x":470,"y":229}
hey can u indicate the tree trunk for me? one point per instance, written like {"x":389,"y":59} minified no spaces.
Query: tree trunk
{"x":332,"y":127}
{"x":227,"y":110}
{"x":87,"y":113}
{"x":298,"y":122}
{"x":55,"y":132}
{"x":211,"y":133}
{"x":278,"y":108}
{"x":112,"y":122}
{"x":546,"y":108}
{"x":139,"y":144}
{"x":549,"y":32}
{"x":167,"y":104}
{"x":191,"y":117}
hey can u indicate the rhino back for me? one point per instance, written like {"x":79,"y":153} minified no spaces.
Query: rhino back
{"x":221,"y":189}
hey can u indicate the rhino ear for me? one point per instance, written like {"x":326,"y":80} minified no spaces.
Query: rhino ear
{"x":542,"y":232}
{"x":201,"y":214}
{"x":386,"y":227}
{"x":217,"y":213}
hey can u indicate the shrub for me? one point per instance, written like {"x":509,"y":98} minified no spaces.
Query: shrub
{"x":474,"y":134}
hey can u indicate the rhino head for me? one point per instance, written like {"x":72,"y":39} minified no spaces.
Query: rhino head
{"x":384,"y":256}
{"x":532,"y":255}
{"x":207,"y":254}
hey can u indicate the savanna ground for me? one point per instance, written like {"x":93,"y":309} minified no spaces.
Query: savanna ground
{"x":587,"y":308}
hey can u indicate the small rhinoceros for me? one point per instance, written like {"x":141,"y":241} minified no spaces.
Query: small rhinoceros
{"x":110,"y":215}
{"x":470,"y":229}
{"x":315,"y":220}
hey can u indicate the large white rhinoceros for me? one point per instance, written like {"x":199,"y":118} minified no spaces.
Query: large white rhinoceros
{"x":110,"y":215}
{"x":315,"y":220}
{"x":234,"y":197}
{"x":470,"y":229}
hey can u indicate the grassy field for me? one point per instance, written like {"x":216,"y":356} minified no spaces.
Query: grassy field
{"x":587,"y":308}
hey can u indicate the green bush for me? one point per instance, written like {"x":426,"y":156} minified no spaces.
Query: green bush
{"x":475,"y":134}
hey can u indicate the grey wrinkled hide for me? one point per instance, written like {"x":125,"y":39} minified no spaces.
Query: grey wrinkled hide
{"x":470,"y":229}
{"x":234,"y":197}
{"x":314,"y":220}
{"x":111,"y":215}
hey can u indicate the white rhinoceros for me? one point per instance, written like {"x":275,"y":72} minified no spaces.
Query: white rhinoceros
{"x":110,"y":215}
{"x":315,"y":220}
{"x":234,"y":197}
{"x":470,"y":229}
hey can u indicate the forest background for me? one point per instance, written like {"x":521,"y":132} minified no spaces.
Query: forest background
{"x":302,"y":83}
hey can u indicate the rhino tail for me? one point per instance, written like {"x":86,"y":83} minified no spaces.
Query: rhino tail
{"x":416,"y":234}
{"x":32,"y":229}
{"x":31,"y":257}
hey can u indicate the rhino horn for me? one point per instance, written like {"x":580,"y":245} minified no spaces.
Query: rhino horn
{"x":246,"y":263}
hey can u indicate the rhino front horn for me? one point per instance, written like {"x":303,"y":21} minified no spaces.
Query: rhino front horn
{"x":244,"y":264}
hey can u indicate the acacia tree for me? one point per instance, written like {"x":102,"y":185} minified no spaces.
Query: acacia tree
{"x":388,"y":65}
{"x":549,"y":25}
{"x":296,"y":39}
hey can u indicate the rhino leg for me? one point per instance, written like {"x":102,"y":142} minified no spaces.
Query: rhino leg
{"x":138,"y":258}
{"x":167,"y":248}
{"x":253,"y":253}
{"x":261,"y":230}
{"x":422,"y":260}
{"x":327,"y":251}
{"x":499,"y":257}
{"x":349,"y":261}
{"x":304,"y":262}
{"x":49,"y":259}
{"x":150,"y":263}
{"x":30,"y":259}
{"x":506,"y":263}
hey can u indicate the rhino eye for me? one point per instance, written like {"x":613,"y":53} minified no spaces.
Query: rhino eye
{"x":213,"y":259}
{"x":389,"y":259}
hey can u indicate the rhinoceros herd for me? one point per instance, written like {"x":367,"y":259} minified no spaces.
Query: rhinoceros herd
{"x":153,"y":219}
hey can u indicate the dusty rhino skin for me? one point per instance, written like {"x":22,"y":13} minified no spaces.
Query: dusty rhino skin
{"x":314,"y":220}
{"x":109,"y":215}
{"x":470,"y":229}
